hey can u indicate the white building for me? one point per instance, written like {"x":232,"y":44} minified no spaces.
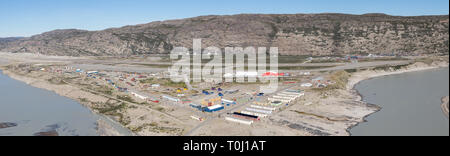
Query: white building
{"x":241,"y":74}
{"x":239,"y":121}
{"x":171,"y":98}
{"x":156,"y":85}
{"x":246,"y":74}
{"x":92,"y":72}
{"x":307,"y":85}
{"x":143,"y":97}
{"x":305,"y":73}
{"x":258,"y":110}
{"x":228,"y":75}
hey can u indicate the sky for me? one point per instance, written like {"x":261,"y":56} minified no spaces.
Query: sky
{"x":30,"y":17}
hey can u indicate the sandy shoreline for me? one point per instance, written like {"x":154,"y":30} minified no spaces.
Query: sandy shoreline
{"x":369,"y":74}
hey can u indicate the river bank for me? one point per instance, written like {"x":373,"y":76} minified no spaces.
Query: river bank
{"x":68,"y":116}
{"x":361,"y":76}
{"x":368,"y":74}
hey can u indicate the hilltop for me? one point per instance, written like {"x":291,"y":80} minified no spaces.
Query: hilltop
{"x":294,"y":34}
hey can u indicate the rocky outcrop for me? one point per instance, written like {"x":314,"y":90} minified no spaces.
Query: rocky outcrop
{"x":48,"y":133}
{"x":7,"y":125}
{"x":445,"y":105}
{"x":296,"y":34}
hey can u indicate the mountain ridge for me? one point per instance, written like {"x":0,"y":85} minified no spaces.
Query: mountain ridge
{"x":294,"y":34}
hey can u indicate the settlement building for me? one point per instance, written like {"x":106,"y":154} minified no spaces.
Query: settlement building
{"x":214,"y":108}
{"x":239,"y":121}
{"x":142,"y":97}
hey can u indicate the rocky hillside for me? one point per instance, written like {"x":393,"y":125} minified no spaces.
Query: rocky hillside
{"x":9,"y":39}
{"x":298,"y":34}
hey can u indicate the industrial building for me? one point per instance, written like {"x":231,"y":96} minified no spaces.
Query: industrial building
{"x":286,"y":96}
{"x":258,"y":110}
{"x":171,"y":98}
{"x":225,"y":101}
{"x":279,"y":100}
{"x":210,"y":109}
{"x":196,"y":106}
{"x":307,"y":85}
{"x":255,"y":114}
{"x":142,"y":97}
{"x":239,"y":121}
{"x":156,"y":85}
{"x":211,"y":102}
{"x":214,"y":108}
{"x":276,"y":103}
{"x":265,"y":108}
{"x":246,"y":116}
{"x":92,"y":72}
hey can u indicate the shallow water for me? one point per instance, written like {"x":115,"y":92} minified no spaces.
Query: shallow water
{"x":38,"y":110}
{"x":411,"y":104}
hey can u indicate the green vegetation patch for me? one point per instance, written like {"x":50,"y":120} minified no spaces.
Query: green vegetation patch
{"x":427,"y":61}
{"x":340,"y":78}
{"x":164,"y":82}
{"x":105,"y":90}
{"x":57,"y":81}
{"x":155,"y":65}
{"x":111,"y":108}
{"x":386,"y":68}
{"x":154,"y":127}
{"x":351,"y":70}
{"x":126,"y":98}
{"x":303,"y":67}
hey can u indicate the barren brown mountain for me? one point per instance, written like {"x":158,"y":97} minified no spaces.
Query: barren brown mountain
{"x":296,"y":34}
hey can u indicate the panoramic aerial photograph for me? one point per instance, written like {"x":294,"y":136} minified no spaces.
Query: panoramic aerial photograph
{"x":235,"y":68}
